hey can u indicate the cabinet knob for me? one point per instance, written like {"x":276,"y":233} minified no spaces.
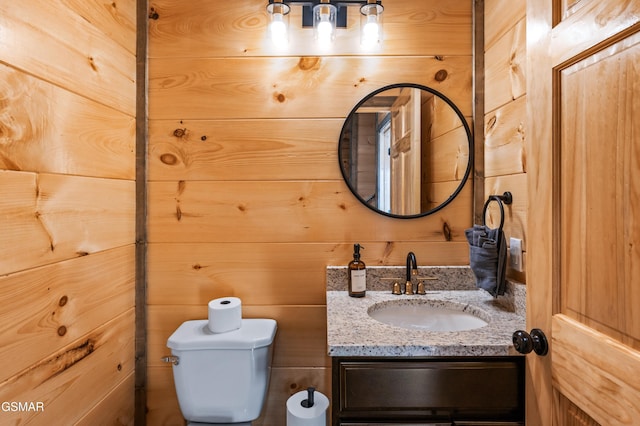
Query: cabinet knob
{"x":535,"y":341}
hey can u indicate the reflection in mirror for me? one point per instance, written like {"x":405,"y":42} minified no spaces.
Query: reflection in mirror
{"x":405,"y":150}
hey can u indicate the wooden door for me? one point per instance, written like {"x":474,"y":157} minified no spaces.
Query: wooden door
{"x":583,"y":273}
{"x":405,"y":153}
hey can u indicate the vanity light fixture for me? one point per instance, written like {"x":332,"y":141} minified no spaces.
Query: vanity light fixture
{"x":325,"y":16}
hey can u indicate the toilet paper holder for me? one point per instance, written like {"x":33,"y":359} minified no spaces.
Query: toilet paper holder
{"x":307,"y":408}
{"x":308,"y":403}
{"x":171,"y":359}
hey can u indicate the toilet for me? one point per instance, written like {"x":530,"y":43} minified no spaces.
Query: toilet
{"x":222,"y":378}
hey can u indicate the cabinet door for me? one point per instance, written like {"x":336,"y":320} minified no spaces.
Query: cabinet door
{"x":438,"y":390}
{"x":396,"y":424}
{"x":474,"y":423}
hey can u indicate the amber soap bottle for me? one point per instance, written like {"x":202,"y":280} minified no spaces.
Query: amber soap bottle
{"x":357,"y":274}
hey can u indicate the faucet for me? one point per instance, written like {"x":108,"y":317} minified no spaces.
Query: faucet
{"x":412,"y":269}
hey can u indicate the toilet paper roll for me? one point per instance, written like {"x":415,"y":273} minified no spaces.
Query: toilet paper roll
{"x":298,"y":415}
{"x":225,"y":314}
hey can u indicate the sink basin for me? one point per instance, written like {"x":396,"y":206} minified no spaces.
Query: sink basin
{"x":429,"y":315}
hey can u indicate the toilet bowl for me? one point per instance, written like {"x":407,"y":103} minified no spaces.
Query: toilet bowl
{"x":222,"y":378}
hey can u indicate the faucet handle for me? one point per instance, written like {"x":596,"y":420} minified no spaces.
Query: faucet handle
{"x":396,"y":288}
{"x":420,"y":289}
{"x":408,"y":288}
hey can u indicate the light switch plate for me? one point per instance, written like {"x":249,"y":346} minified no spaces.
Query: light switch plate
{"x":515,"y":250}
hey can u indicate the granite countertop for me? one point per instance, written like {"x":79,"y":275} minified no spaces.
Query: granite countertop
{"x":352,"y":332}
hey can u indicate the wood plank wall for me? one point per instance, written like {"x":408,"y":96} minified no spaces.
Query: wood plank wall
{"x":67,"y":211}
{"x":505,"y":116}
{"x":245,"y":192}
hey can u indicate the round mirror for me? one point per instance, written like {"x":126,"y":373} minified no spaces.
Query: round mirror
{"x":405,"y":150}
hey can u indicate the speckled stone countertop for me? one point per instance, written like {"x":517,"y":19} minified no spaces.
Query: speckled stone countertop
{"x":352,"y":332}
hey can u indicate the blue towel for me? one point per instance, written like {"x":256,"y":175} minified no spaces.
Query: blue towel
{"x":488,"y":258}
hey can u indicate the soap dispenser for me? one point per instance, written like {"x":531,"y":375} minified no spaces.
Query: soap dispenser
{"x":357,"y":274}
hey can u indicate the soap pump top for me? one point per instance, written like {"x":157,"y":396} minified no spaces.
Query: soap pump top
{"x":357,"y":274}
{"x":356,"y":251}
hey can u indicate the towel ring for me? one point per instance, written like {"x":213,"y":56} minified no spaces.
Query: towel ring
{"x":505,"y":198}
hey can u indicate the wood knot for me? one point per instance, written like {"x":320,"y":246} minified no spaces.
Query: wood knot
{"x":492,"y":122}
{"x":62,"y":330}
{"x":441,"y":75}
{"x":119,"y":367}
{"x":169,"y":159}
{"x":360,"y":81}
{"x":153,"y":14}
{"x":203,"y":138}
{"x":308,"y":63}
{"x":388,"y":249}
{"x":179,"y":133}
{"x":446,"y":231}
{"x":92,"y":64}
{"x":280,"y":97}
{"x":63,"y":301}
{"x":439,"y":58}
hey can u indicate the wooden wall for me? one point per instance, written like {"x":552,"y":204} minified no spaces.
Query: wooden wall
{"x":67,"y":211}
{"x":505,"y":162}
{"x":245,"y":192}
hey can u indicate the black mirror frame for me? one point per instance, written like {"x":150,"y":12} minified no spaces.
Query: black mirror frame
{"x":469,"y":139}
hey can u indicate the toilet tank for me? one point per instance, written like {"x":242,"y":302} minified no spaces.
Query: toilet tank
{"x":222,"y":377}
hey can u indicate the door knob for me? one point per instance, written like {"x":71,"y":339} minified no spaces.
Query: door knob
{"x":535,"y":341}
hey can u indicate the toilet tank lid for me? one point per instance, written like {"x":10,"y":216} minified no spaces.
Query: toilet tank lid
{"x":195,"y":335}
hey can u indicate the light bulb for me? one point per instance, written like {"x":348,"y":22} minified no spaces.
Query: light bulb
{"x":324,"y":23}
{"x":370,"y":32}
{"x":371,"y":25}
{"x":278,"y":30}
{"x":325,"y":31}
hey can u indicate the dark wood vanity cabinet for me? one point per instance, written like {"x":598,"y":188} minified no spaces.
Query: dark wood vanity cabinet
{"x":428,"y":391}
